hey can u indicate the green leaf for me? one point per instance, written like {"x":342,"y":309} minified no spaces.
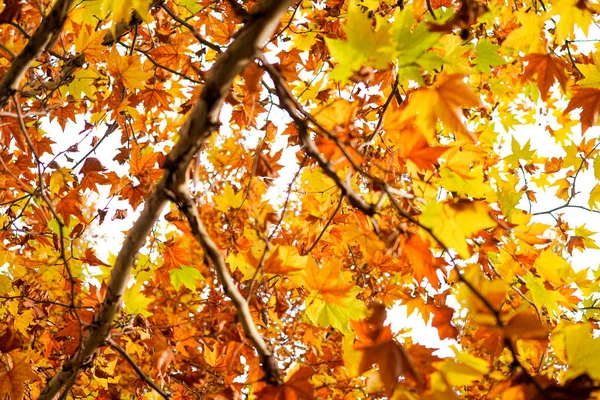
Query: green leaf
{"x":338,"y":316}
{"x":186,"y":276}
{"x":363,"y":45}
{"x":412,"y":46}
{"x":486,"y":56}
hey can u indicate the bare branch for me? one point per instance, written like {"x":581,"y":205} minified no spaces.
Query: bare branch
{"x":203,"y":119}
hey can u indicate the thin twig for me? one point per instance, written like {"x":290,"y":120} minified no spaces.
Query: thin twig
{"x":312,"y":246}
{"x":137,"y":369}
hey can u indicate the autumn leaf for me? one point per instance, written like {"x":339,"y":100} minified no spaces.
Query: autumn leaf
{"x":413,"y":146}
{"x":453,"y":223}
{"x":186,"y":276}
{"x":444,"y":103}
{"x":362,"y":46}
{"x":545,"y":69}
{"x":296,"y":387}
{"x":128,"y":70}
{"x":284,"y":260}
{"x":378,"y":346}
{"x":13,"y":378}
{"x":588,"y":99}
{"x":418,"y":253}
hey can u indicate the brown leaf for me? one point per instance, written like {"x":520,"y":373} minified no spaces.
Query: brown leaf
{"x":10,"y":340}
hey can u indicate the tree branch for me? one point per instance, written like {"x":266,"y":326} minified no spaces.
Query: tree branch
{"x":137,"y":368}
{"x":50,"y":27}
{"x":203,"y":119}
{"x":186,"y":204}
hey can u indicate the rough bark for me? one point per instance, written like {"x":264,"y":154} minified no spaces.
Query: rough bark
{"x":203,"y":120}
{"x":50,"y":27}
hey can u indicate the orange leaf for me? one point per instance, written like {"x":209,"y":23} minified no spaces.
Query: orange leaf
{"x":296,"y":387}
{"x":412,"y":145}
{"x":526,"y":325}
{"x":418,"y":253}
{"x":329,"y":281}
{"x":442,"y":317}
{"x":588,"y":99}
{"x":12,"y":379}
{"x":548,"y":68}
{"x":70,"y":205}
{"x":444,"y":103}
{"x":379,"y":347}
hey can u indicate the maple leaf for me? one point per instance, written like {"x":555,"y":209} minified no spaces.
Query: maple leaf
{"x":445,"y":103}
{"x":162,"y":354}
{"x":296,"y":387}
{"x":121,"y":9}
{"x":413,"y":146}
{"x":418,"y":253}
{"x":128,"y":70}
{"x":362,"y":46}
{"x":453,"y":223}
{"x":186,"y":276}
{"x":442,"y":317}
{"x":547,"y":68}
{"x":588,"y":99}
{"x":284,"y":260}
{"x":14,"y":377}
{"x":378,"y":346}
{"x":70,"y":205}
{"x":486,"y":56}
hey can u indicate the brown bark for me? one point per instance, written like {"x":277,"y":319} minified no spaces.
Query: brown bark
{"x":203,"y":119}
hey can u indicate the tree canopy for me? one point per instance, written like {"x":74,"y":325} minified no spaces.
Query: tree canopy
{"x":226,"y":199}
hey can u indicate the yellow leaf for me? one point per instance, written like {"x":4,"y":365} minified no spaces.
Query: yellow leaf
{"x":570,"y":16}
{"x":541,"y":297}
{"x":595,"y":197}
{"x":581,"y":350}
{"x":229,"y":199}
{"x":121,"y":9}
{"x":529,"y":35}
{"x":339,"y":113}
{"x":23,"y":320}
{"x":453,"y":223}
{"x":464,"y":369}
{"x":553,"y":268}
{"x":136,"y":302}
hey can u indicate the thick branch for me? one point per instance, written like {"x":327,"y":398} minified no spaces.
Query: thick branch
{"x":203,"y":119}
{"x":49,"y":28}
